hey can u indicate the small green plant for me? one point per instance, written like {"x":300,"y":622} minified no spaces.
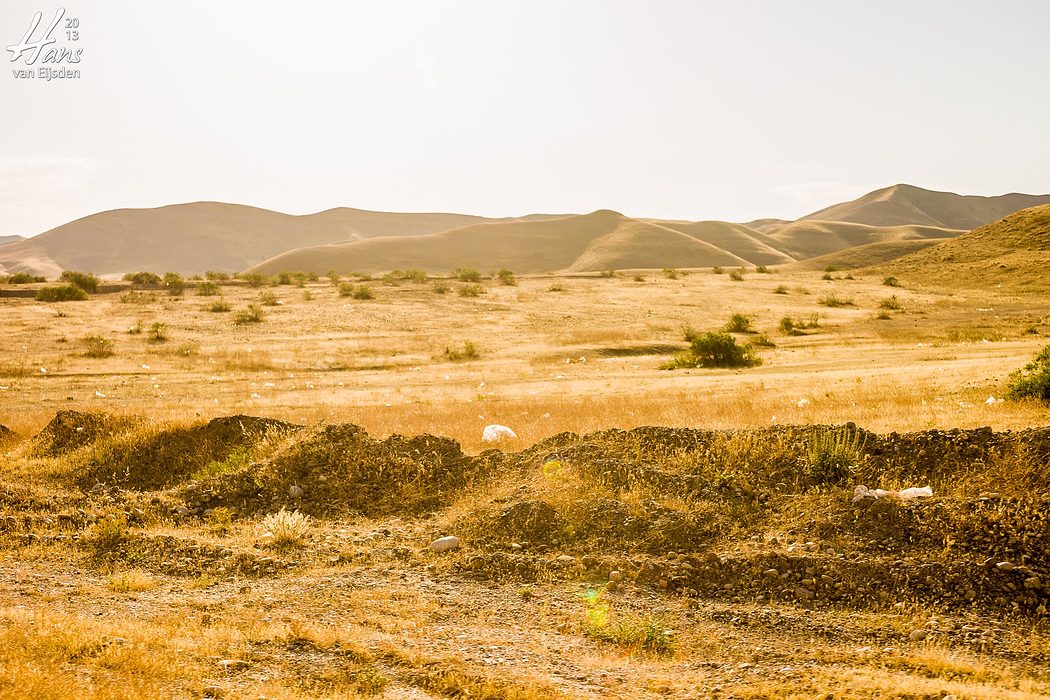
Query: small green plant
{"x":65,"y":292}
{"x":254,"y":279}
{"x":284,"y":278}
{"x":218,"y":306}
{"x":108,"y":534}
{"x":268,"y":299}
{"x":791,"y":326}
{"x":762,"y":270}
{"x":240,"y":458}
{"x":470,"y":290}
{"x":417,"y":276}
{"x":142,"y":278}
{"x":607,"y":274}
{"x":441,"y":287}
{"x":639,"y":278}
{"x":307,"y":295}
{"x":781,"y":289}
{"x":556,"y":287}
{"x":467,"y":274}
{"x":135,"y":328}
{"x":762,"y":340}
{"x":713,"y":350}
{"x":85,"y":280}
{"x":469,"y":352}
{"x":23,"y":278}
{"x":506,"y":278}
{"x":833,"y":454}
{"x":739,"y":323}
{"x":891,"y":304}
{"x":634,"y":633}
{"x":670,"y":273}
{"x":97,"y":346}
{"x":207,"y":289}
{"x":737,"y":275}
{"x":213,"y":276}
{"x":717,"y":269}
{"x":1033,"y":380}
{"x":251,"y":314}
{"x":346,"y":289}
{"x":134,"y":297}
{"x":333,"y":277}
{"x":827,"y":277}
{"x":392,"y":279}
{"x":831,"y":268}
{"x":891,"y":281}
{"x":285,"y":528}
{"x":158,"y":332}
{"x":363,"y":291}
{"x":832,"y":301}
{"x":174,"y":283}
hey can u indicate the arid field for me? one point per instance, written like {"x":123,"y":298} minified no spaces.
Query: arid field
{"x":650,"y":532}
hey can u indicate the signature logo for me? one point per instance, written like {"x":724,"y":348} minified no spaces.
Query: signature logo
{"x":53,"y":55}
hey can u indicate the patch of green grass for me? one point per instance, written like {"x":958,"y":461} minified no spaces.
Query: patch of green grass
{"x":1033,"y":380}
{"x":832,"y":455}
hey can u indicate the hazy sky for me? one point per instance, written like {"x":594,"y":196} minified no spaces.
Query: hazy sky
{"x":698,"y":110}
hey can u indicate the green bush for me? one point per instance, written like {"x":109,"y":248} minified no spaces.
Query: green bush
{"x":832,"y":301}
{"x":441,"y":286}
{"x":174,"y":283}
{"x":506,"y":277}
{"x":714,"y":350}
{"x":737,"y":275}
{"x":85,"y":280}
{"x":892,"y":303}
{"x":255,"y":280}
{"x":363,"y":291}
{"x":781,"y":289}
{"x":142,"y":278}
{"x":891,"y":281}
{"x":97,"y":346}
{"x":65,"y":292}
{"x":23,"y":278}
{"x":469,"y":352}
{"x":470,"y":290}
{"x":213,"y":276}
{"x":739,"y":323}
{"x":832,"y":455}
{"x":268,"y":299}
{"x":219,"y":306}
{"x":467,"y":274}
{"x":1033,"y":381}
{"x":251,"y":314}
{"x":346,"y":288}
{"x":670,"y":273}
{"x":207,"y":289}
{"x":158,"y":332}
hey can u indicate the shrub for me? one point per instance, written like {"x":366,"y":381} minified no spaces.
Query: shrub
{"x":65,"y":292}
{"x":717,"y":270}
{"x":218,"y":306}
{"x":832,"y":455}
{"x":333,"y":277}
{"x":363,"y":291}
{"x":556,"y":288}
{"x":791,"y":326}
{"x":833,"y":301}
{"x":251,"y":314}
{"x":268,"y":299}
{"x":97,"y":346}
{"x":135,"y":328}
{"x":286,"y":528}
{"x":441,"y":286}
{"x":307,"y":295}
{"x":831,"y":268}
{"x":506,"y":277}
{"x":714,"y":350}
{"x":607,"y":274}
{"x":892,"y":303}
{"x":828,"y":277}
{"x":470,"y":290}
{"x":639,"y":278}
{"x":85,"y":280}
{"x":781,"y":289}
{"x":254,"y":279}
{"x":108,"y":534}
{"x":392,"y":279}
{"x":637,"y":634}
{"x":762,"y":270}
{"x":213,"y":276}
{"x":670,"y":273}
{"x":346,"y":289}
{"x":1033,"y":381}
{"x":739,"y":323}
{"x":158,"y":332}
{"x":763,"y":341}
{"x":284,"y":278}
{"x":467,"y":274}
{"x":417,"y":276}
{"x":737,"y":275}
{"x":469,"y":352}
{"x":891,"y":281}
{"x":207,"y":289}
{"x":174,"y":283}
{"x":142,"y":278}
{"x":23,"y":278}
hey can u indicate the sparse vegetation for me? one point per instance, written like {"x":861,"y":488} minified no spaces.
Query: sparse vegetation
{"x":441,"y":286}
{"x":218,"y":306}
{"x":506,"y":277}
{"x":285,"y":528}
{"x":158,"y":332}
{"x":780,"y":289}
{"x":671,"y":273}
{"x":762,"y":270}
{"x":833,"y":455}
{"x":833,"y":301}
{"x":253,"y":313}
{"x":714,"y":350}
{"x":97,"y":346}
{"x":468,"y":352}
{"x":65,"y":292}
{"x":174,"y":283}
{"x":891,"y":281}
{"x":891,"y":303}
{"x":207,"y":289}
{"x":363,"y":292}
{"x":470,"y":290}
{"x":737,"y":275}
{"x":269,"y":299}
{"x":1032,"y":381}
{"x":467,"y":274}
{"x":142,"y":278}
{"x":717,"y":270}
{"x":84,"y":280}
{"x":21,"y":278}
{"x":739,"y":323}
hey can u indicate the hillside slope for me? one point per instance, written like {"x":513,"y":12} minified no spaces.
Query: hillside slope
{"x":907,"y":204}
{"x":1012,"y":253}
{"x":808,"y":239}
{"x":192,"y":238}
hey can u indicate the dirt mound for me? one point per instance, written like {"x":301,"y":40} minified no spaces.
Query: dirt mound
{"x":161,"y":459}
{"x":71,"y":430}
{"x":339,"y":468}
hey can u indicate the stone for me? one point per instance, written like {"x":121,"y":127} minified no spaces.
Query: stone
{"x":295,"y":492}
{"x":1005,"y":566}
{"x":918,"y":635}
{"x":615,"y":576}
{"x":446,"y":544}
{"x":566,"y":558}
{"x":234,"y":664}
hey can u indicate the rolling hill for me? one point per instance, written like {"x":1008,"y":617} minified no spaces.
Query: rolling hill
{"x":1012,"y":253}
{"x":4,"y":240}
{"x":597,"y":241}
{"x":192,"y":238}
{"x":907,"y":204}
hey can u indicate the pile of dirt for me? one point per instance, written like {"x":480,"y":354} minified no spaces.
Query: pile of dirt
{"x":340,"y":469}
{"x":171,"y":456}
{"x":71,"y":430}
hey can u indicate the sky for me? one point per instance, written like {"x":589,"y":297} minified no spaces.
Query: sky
{"x":687,"y":109}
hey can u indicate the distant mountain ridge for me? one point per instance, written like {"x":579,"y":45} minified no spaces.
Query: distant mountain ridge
{"x":195,"y":237}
